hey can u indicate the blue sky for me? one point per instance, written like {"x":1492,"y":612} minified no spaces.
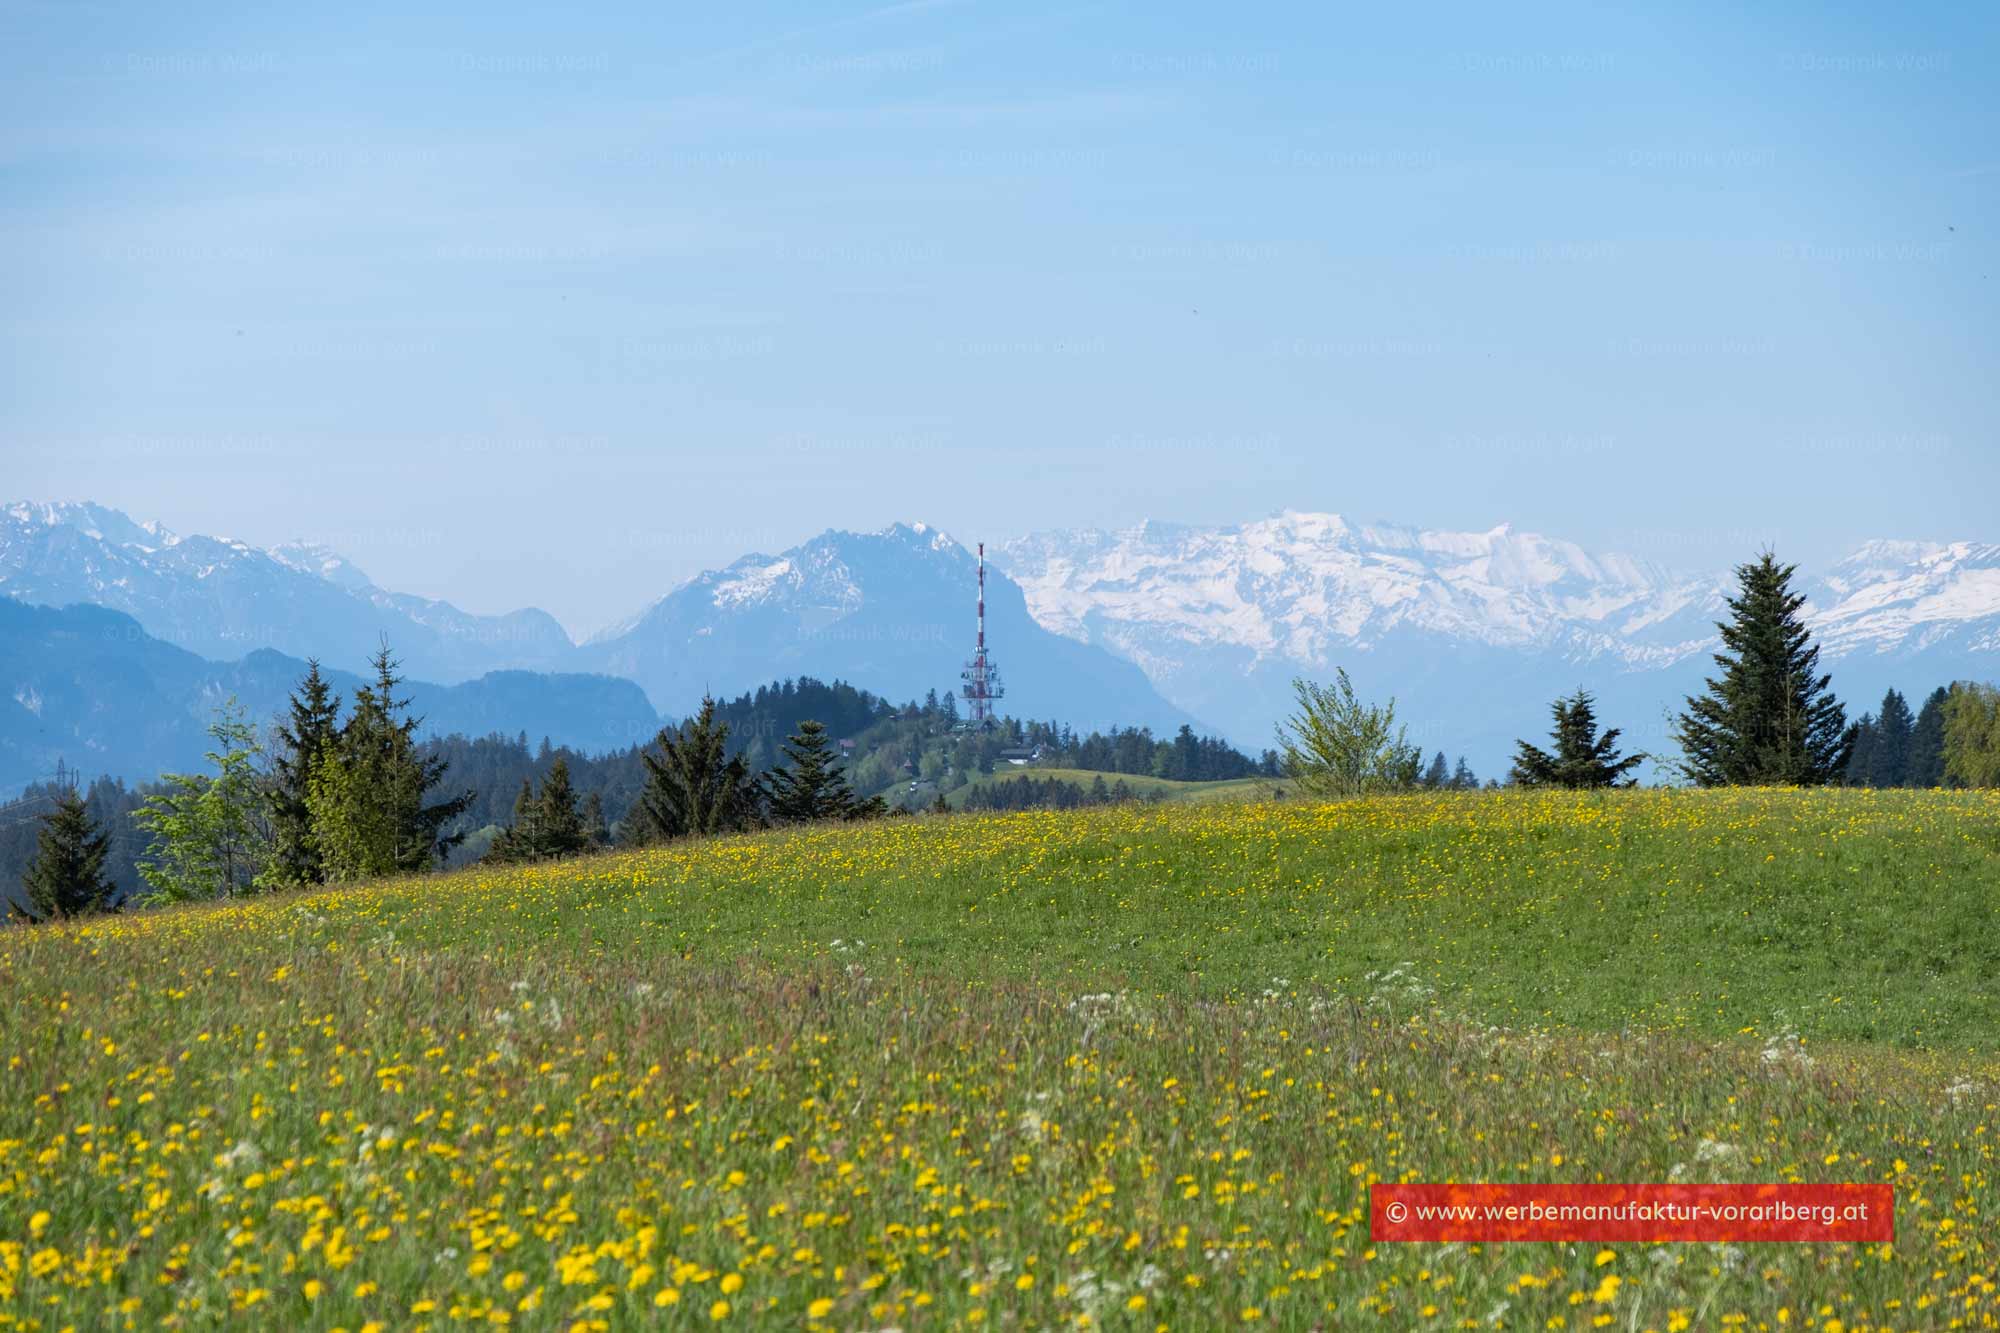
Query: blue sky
{"x":515,"y":305}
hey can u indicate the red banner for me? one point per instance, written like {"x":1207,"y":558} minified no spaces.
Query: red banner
{"x":1632,"y":1213}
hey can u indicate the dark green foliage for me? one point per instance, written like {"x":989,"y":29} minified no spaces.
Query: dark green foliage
{"x":1438,"y":776}
{"x":110,"y":804}
{"x":66,"y":878}
{"x":1582,"y":758}
{"x":1889,"y":762}
{"x":1861,"y":738}
{"x":1031,"y":793}
{"x":370,"y":793}
{"x":940,"y":806}
{"x":596,"y":832}
{"x":1462,"y":777}
{"x":1892,"y":749}
{"x":693,"y":786}
{"x":811,"y":785}
{"x":304,"y":739}
{"x":547,"y":825}
{"x":1927,"y":742}
{"x":1769,"y":718}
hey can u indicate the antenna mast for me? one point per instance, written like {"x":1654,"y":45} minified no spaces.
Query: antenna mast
{"x":981,"y":676}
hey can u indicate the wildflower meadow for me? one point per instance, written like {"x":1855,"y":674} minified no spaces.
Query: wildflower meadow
{"x":1128,"y":1067}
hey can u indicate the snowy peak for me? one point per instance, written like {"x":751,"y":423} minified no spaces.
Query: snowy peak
{"x":1302,"y":586}
{"x":321,"y":562}
{"x":222,"y":598}
{"x":91,"y":521}
{"x":1895,"y":595}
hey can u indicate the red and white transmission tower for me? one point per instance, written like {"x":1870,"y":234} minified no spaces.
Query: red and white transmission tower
{"x":981,"y":677}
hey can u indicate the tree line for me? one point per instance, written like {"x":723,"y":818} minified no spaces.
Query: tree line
{"x":1768,"y":717}
{"x":345,"y":795}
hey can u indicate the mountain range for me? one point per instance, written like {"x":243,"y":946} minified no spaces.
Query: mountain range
{"x":1157,"y":624}
{"x":88,"y":686}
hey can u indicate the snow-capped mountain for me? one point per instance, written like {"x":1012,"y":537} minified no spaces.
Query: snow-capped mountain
{"x":1472,"y":631}
{"x":1900,"y":598}
{"x":891,"y":611}
{"x":221,"y":598}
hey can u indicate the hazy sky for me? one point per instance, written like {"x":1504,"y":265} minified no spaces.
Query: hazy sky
{"x":556,"y":305}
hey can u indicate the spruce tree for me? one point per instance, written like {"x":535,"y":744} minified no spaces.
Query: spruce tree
{"x":559,"y":827}
{"x":66,"y":878}
{"x":811,"y":786}
{"x":370,"y":795}
{"x":693,"y":788}
{"x":305,"y":738}
{"x":1438,"y":776}
{"x":1861,"y":738}
{"x":596,"y":833}
{"x":1889,"y":764}
{"x":1769,"y":718}
{"x":1462,"y":777}
{"x":1582,"y":758}
{"x":1927,"y":742}
{"x":547,"y":824}
{"x":516,"y":842}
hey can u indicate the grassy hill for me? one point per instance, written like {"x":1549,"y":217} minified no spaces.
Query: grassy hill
{"x":1142,"y":786}
{"x":1137,"y":1063}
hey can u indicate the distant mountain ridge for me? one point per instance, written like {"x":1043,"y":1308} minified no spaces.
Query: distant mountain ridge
{"x":1461,"y":626}
{"x":892,"y":610}
{"x":1155,"y":624}
{"x":221,"y":598}
{"x":88,"y":686}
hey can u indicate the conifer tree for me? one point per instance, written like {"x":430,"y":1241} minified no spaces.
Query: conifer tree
{"x":558,"y":824}
{"x":1462,"y":777}
{"x":1438,"y":776}
{"x":66,"y":878}
{"x":941,"y":806}
{"x":693,"y":788}
{"x":596,"y":833}
{"x":305,"y":738}
{"x":369,"y":797}
{"x":1769,"y":718}
{"x":547,"y":825}
{"x":1927,"y":742}
{"x":811,"y":786}
{"x":516,"y":842}
{"x":1861,"y":737}
{"x":1582,"y":758}
{"x":1889,"y":762}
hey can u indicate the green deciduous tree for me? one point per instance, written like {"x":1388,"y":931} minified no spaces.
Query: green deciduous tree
{"x":210,"y":837}
{"x":66,"y":878}
{"x":1337,"y":746}
{"x":1769,"y":718}
{"x":1582,"y":758}
{"x":693,"y":786}
{"x":1972,"y":735}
